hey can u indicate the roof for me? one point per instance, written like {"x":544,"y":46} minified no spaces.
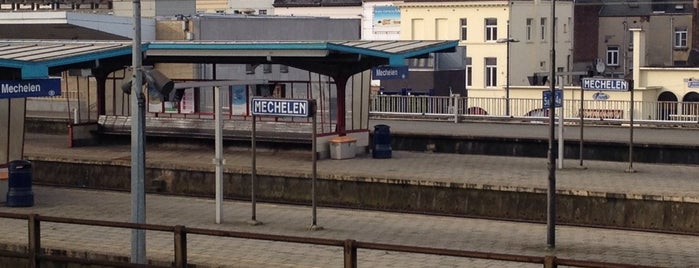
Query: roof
{"x":35,"y":57}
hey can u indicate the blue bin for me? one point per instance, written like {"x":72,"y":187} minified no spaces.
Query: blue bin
{"x":19,"y":184}
{"x":382,"y":142}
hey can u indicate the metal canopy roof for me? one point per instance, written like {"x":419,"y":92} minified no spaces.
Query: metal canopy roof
{"x":35,"y":57}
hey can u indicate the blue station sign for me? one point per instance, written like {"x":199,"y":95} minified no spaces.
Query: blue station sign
{"x":10,"y":89}
{"x":389,"y":72}
{"x":558,"y":98}
{"x":283,"y":107}
{"x":605,"y":84}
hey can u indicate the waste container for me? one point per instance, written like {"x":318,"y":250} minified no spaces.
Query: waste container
{"x":382,"y":142}
{"x":19,"y":193}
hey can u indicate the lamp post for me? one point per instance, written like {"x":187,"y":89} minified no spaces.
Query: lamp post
{"x":507,"y":40}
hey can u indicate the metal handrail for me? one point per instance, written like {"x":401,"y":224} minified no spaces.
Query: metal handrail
{"x":35,"y":255}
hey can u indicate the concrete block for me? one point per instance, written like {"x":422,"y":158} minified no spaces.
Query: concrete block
{"x":343,"y":147}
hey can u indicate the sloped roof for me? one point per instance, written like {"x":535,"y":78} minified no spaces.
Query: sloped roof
{"x":35,"y":57}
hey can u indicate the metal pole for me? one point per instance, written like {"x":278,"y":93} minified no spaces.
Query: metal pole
{"x":582,"y":123}
{"x":551,"y":193}
{"x":507,"y":85}
{"x":314,"y":224}
{"x":560,"y":128}
{"x":253,"y":177}
{"x":218,"y":160}
{"x":138,"y":144}
{"x":630,"y":169}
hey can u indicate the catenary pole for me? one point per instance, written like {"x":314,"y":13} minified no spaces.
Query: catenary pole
{"x":138,"y":144}
{"x":551,"y":193}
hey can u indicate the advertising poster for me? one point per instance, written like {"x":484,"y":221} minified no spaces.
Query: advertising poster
{"x":187,"y":102}
{"x":386,"y":20}
{"x":239,"y":100}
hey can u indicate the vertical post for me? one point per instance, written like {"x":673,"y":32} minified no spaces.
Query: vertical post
{"x":551,"y":193}
{"x":630,"y":169}
{"x":350,"y":254}
{"x":138,"y":144}
{"x":561,"y":122}
{"x":582,"y":122}
{"x":218,"y":160}
{"x":314,"y":224}
{"x":550,"y":262}
{"x":507,"y":85}
{"x":34,"y":240}
{"x":180,"y":246}
{"x":253,"y":175}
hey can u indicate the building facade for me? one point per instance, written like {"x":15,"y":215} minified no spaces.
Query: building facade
{"x":487,"y":29}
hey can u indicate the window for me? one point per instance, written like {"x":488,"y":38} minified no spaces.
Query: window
{"x":491,"y":29}
{"x":283,"y":69}
{"x":680,"y":38}
{"x":491,"y":72}
{"x":267,"y":68}
{"x":262,"y":12}
{"x":613,"y":56}
{"x":530,"y":30}
{"x":543,"y":29}
{"x":464,"y":32}
{"x":469,"y":72}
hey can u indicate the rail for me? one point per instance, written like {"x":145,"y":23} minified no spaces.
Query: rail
{"x":35,"y":255}
{"x":456,"y":108}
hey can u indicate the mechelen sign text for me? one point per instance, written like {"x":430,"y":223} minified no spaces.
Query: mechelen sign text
{"x":605,"y":84}
{"x":283,"y":107}
{"x":389,"y":72}
{"x":10,"y":89}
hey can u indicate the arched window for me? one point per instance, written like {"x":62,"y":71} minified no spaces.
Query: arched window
{"x":690,"y":103}
{"x":667,"y":105}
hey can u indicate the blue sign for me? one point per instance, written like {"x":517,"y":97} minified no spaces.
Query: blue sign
{"x":389,"y":72}
{"x":601,"y":96}
{"x":558,"y":100}
{"x":693,"y":84}
{"x":10,"y":89}
{"x":605,"y":84}
{"x":283,"y":107}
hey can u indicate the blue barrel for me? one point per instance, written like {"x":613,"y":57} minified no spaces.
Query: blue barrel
{"x":19,"y":184}
{"x":382,"y":142}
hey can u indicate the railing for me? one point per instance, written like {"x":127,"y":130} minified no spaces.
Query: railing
{"x":35,"y":255}
{"x":457,"y":108}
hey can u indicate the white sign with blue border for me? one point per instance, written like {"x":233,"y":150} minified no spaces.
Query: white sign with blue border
{"x":558,"y":98}
{"x":605,"y":84}
{"x":389,"y":72}
{"x":10,"y":89}
{"x":282,"y":107}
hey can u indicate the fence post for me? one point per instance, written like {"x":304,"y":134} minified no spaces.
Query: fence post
{"x":550,"y":262}
{"x":180,"y":246}
{"x":34,"y":241}
{"x":455,"y":106}
{"x":350,"y":254}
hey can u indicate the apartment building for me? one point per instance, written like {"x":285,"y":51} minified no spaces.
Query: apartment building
{"x":487,"y":29}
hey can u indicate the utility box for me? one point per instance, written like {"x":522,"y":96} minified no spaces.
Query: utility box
{"x":3,"y":183}
{"x":343,"y":147}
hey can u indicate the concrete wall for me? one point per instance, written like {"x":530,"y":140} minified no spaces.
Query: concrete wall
{"x":402,"y":195}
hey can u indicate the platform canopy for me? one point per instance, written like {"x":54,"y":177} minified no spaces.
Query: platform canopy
{"x":39,"y":58}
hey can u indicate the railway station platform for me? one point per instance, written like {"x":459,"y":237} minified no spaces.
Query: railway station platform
{"x":659,"y":197}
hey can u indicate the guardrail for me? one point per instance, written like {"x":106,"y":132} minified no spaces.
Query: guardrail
{"x":458,"y":108}
{"x":35,"y":255}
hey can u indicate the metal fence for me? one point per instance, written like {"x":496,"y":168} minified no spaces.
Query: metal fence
{"x":458,"y":108}
{"x":35,"y":255}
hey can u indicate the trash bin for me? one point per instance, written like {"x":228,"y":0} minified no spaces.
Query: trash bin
{"x":382,"y":142}
{"x":343,"y":147}
{"x":19,"y":193}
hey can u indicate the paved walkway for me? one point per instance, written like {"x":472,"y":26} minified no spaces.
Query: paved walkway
{"x":407,"y":229}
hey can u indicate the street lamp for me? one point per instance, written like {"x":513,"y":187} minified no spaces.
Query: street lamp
{"x":507,"y":40}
